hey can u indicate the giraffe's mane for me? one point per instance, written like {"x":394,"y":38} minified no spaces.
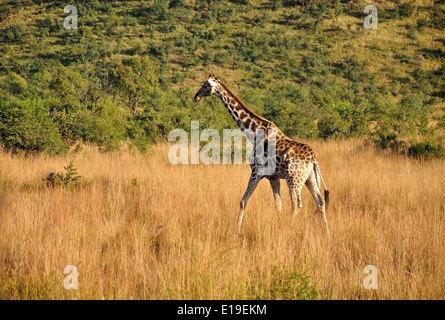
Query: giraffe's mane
{"x":239,"y":101}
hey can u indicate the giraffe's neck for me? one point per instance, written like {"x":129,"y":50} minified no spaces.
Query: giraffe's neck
{"x":246,"y":119}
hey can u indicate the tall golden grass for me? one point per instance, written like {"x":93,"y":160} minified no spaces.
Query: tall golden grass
{"x":138,"y":227}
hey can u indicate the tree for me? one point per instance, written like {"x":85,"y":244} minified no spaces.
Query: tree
{"x":133,"y":77}
{"x":15,"y":85}
{"x":69,"y":85}
{"x":27,"y":126}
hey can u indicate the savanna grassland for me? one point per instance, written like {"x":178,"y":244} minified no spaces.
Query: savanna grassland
{"x":138,"y":227}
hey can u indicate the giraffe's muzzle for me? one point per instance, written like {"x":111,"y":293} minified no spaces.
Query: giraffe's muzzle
{"x":197,"y":98}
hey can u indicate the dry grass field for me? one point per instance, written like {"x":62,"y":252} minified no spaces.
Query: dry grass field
{"x":137,"y":227}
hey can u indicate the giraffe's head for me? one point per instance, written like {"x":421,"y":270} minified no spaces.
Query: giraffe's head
{"x":207,"y":89}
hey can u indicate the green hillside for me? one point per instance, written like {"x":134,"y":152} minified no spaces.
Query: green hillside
{"x":129,"y":72}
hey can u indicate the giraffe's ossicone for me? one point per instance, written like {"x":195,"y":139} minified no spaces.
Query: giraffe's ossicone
{"x":294,"y":161}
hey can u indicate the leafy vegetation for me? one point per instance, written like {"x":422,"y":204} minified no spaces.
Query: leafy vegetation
{"x":130,"y":70}
{"x":426,"y":149}
{"x":288,"y":284}
{"x":68,"y":179}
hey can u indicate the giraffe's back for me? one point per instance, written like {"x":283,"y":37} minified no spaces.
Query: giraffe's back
{"x":293,"y":158}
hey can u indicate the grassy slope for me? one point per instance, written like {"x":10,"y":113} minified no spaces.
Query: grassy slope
{"x":183,"y":39}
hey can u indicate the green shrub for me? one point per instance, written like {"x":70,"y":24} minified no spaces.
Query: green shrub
{"x":14,"y":33}
{"x":143,"y":133}
{"x":5,"y":11}
{"x":407,"y":9}
{"x":15,"y":84}
{"x":68,"y":179}
{"x":28,"y":126}
{"x":426,"y":150}
{"x":333,"y":126}
{"x":437,"y":17}
{"x":293,"y":285}
{"x":104,"y":127}
{"x":387,"y":140}
{"x":288,"y":284}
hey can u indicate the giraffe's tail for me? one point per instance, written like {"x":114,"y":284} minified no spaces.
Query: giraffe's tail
{"x":318,"y":173}
{"x":326,"y":197}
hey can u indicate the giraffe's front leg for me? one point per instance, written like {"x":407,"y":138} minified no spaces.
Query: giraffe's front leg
{"x":253,"y":182}
{"x":275,"y":184}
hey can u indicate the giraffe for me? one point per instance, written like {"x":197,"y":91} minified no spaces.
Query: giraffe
{"x":295,"y":161}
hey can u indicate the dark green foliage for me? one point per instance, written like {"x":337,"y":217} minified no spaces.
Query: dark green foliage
{"x":437,"y":18}
{"x":13,"y":33}
{"x":353,"y":70}
{"x":426,"y":150}
{"x":143,"y":131}
{"x":134,"y":77}
{"x":387,"y":140}
{"x":5,"y":10}
{"x":406,"y":9}
{"x":390,"y":141}
{"x":333,"y":126}
{"x":27,"y":125}
{"x":15,"y":84}
{"x":105,"y":127}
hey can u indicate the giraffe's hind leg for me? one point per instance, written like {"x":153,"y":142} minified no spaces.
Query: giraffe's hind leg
{"x":253,"y":182}
{"x":295,"y":187}
{"x":314,"y":188}
{"x":275,"y":184}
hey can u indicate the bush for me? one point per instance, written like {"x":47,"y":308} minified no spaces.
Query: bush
{"x":333,"y":126}
{"x":390,"y":140}
{"x":14,"y":33}
{"x":105,"y":127}
{"x":426,"y":150}
{"x":27,"y":126}
{"x":15,"y":84}
{"x":5,"y":11}
{"x":386,"y":140}
{"x":407,"y":9}
{"x":290,"y":285}
{"x":142,"y":133}
{"x":68,"y":179}
{"x":293,"y":285}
